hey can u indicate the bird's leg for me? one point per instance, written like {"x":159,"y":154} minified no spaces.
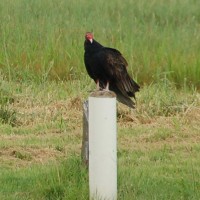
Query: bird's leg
{"x":107,"y":86}
{"x":97,"y":82}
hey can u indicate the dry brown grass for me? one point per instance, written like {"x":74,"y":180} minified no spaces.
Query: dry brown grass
{"x":26,"y":156}
{"x":49,"y":127}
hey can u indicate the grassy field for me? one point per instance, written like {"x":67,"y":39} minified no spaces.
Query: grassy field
{"x":45,"y":39}
{"x":40,"y":143}
{"x":43,"y":84}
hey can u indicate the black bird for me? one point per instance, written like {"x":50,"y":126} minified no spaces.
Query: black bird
{"x":108,"y":68}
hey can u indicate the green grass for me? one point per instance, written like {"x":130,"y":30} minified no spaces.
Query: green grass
{"x":54,"y":181}
{"x":43,"y":84}
{"x":154,"y":175}
{"x":44,"y":40}
{"x":158,"y":143}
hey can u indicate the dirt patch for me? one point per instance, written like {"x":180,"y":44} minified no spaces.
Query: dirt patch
{"x":20,"y":156}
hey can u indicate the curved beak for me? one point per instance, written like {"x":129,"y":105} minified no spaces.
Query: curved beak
{"x":91,"y":40}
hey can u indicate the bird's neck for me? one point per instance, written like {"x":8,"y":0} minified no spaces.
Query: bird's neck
{"x":92,"y":47}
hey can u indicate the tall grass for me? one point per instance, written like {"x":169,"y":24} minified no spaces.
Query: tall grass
{"x":44,"y":39}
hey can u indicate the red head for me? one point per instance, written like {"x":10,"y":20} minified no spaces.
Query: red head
{"x":89,"y":36}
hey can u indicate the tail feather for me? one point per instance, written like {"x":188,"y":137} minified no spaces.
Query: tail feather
{"x":134,"y":87}
{"x":122,"y":98}
{"x":124,"y":90}
{"x":128,"y":86}
{"x":125,"y":100}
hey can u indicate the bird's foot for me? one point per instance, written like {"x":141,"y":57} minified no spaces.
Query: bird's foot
{"x":106,"y":89}
{"x":107,"y":86}
{"x":98,"y":86}
{"x":99,"y":89}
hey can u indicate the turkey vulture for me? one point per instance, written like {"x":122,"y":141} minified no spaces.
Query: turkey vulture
{"x":108,"y":68}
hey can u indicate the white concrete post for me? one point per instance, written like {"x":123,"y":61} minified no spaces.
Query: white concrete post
{"x":102,"y":146}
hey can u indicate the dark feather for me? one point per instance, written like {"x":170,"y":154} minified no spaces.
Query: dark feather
{"x":108,"y":65}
